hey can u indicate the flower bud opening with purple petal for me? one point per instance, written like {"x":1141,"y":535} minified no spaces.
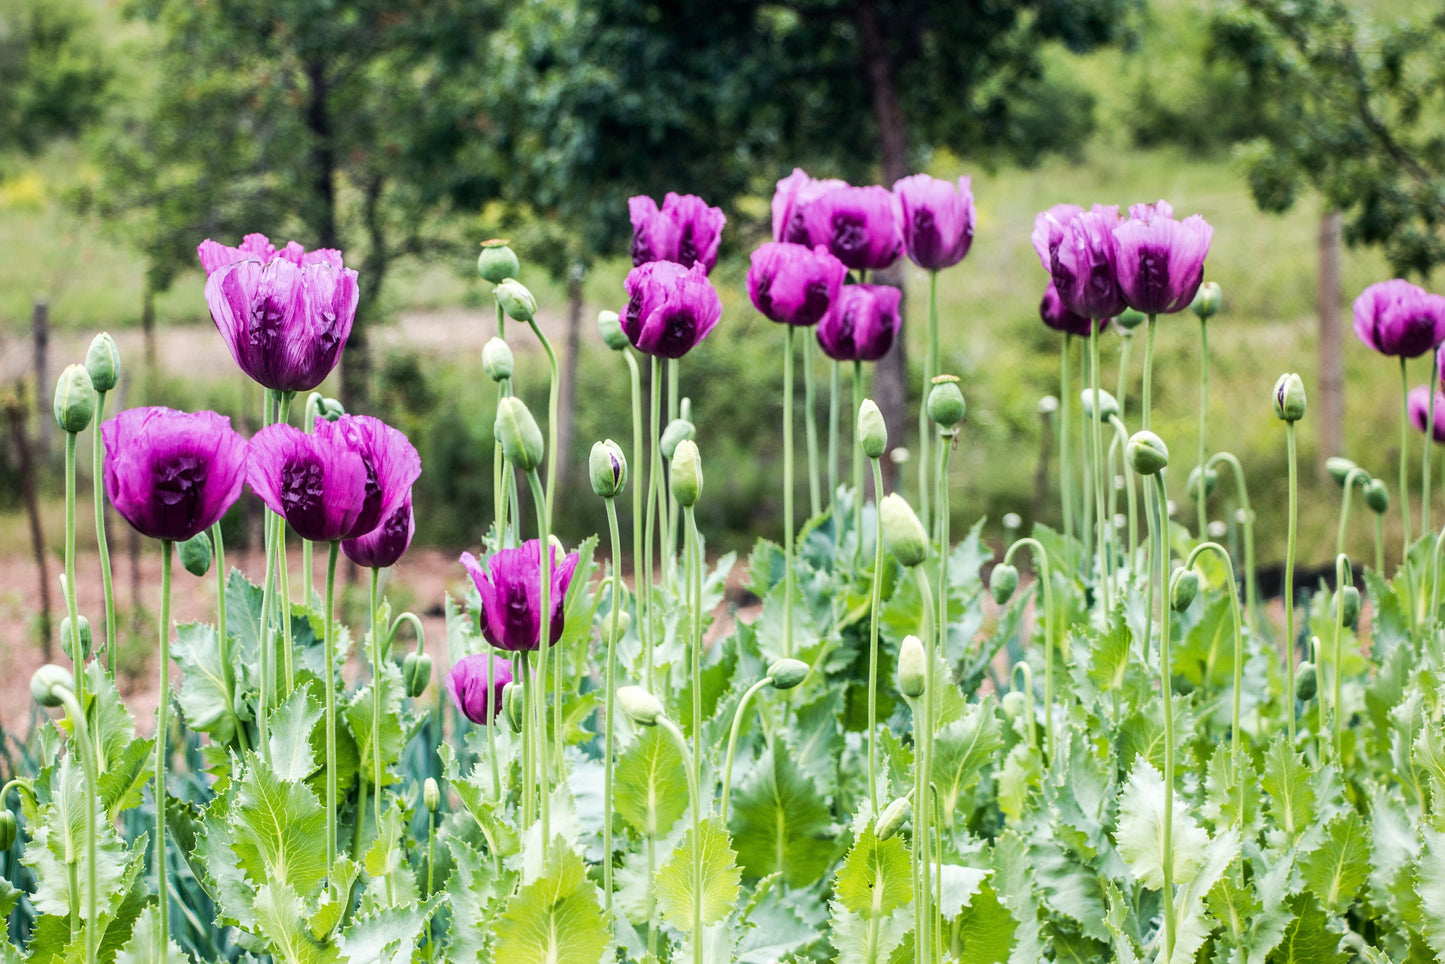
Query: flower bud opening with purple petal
{"x":670,"y":309}
{"x":861,"y":226}
{"x":793,"y":284}
{"x":938,"y":219}
{"x":1418,"y":403}
{"x":1053,"y":313}
{"x":468,"y":685}
{"x":862,"y":324}
{"x":607,"y":468}
{"x":1399,"y":318}
{"x":1160,"y":261}
{"x":684,"y":230}
{"x":510,"y":589}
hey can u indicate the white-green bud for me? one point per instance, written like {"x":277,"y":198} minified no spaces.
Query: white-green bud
{"x":516,"y":300}
{"x":1207,"y":300}
{"x":608,"y":468}
{"x":431,"y":795}
{"x":624,"y":622}
{"x":1377,"y":496}
{"x":1014,"y":703}
{"x":497,"y":360}
{"x":86,"y":639}
{"x":1147,"y":453}
{"x":514,"y":703}
{"x":1002,"y":582}
{"x":685,"y":478}
{"x":641,"y":706}
{"x":48,"y":682}
{"x":676,"y":430}
{"x":195,"y":554}
{"x":610,"y":327}
{"x":1108,"y":404}
{"x":1289,"y":398}
{"x":497,"y":262}
{"x":1350,"y":604}
{"x":102,"y":362}
{"x":902,"y":532}
{"x":912,"y":667}
{"x":787,"y":673}
{"x":416,"y":673}
{"x":1306,"y":682}
{"x":517,"y":430}
{"x":74,"y":399}
{"x":872,"y":430}
{"x":891,"y":820}
{"x":1339,"y":469}
{"x":1211,"y":482}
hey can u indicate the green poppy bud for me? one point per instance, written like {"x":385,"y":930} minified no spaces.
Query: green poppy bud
{"x":431,"y":795}
{"x":1129,"y":319}
{"x":9,"y":830}
{"x":608,"y":468}
{"x":415,"y":673}
{"x":945,"y":402}
{"x":1147,"y":453}
{"x":686,"y":475}
{"x":676,"y":430}
{"x":195,"y":553}
{"x":610,"y":327}
{"x":1108,"y":404}
{"x":872,"y":431}
{"x":1002,"y":582}
{"x":641,"y":706}
{"x":520,"y":437}
{"x":1183,"y":587}
{"x":1048,"y":405}
{"x":1306,"y":682}
{"x":47,"y":683}
{"x":1207,"y":300}
{"x":911,"y":667}
{"x":86,"y":640}
{"x":1350,"y":603}
{"x":516,"y":300}
{"x":102,"y":362}
{"x":902,"y":532}
{"x":1289,"y":398}
{"x":624,"y":622}
{"x":1377,"y":496}
{"x":893,"y":817}
{"x":497,"y":360}
{"x":1014,"y":704}
{"x":497,"y":262}
{"x":787,"y":673}
{"x":1340,"y":468}
{"x":74,"y":399}
{"x":514,"y":702}
{"x":1211,"y":482}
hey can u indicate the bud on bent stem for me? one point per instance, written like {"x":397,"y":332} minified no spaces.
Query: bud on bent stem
{"x":518,"y":432}
{"x":497,"y":262}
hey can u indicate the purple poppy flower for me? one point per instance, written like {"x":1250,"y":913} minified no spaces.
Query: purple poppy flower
{"x":685,"y":229}
{"x":862,"y":226}
{"x":793,"y":284}
{"x":670,"y":308}
{"x":316,"y":482}
{"x":1048,"y":230}
{"x":1418,"y":403}
{"x":1059,"y":318}
{"x":392,"y":464}
{"x":1083,"y":256}
{"x":791,"y":198}
{"x":1398,"y":318}
{"x":478,"y":697}
{"x":938,"y":219}
{"x":511,"y":591}
{"x":215,"y":255}
{"x":1160,"y":261}
{"x":862,"y":324}
{"x":172,"y":474}
{"x":385,"y":544}
{"x":284,"y":324}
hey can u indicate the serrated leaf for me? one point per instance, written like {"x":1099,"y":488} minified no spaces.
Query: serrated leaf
{"x":390,"y":731}
{"x":860,"y":939}
{"x":986,"y":929}
{"x":476,"y":894}
{"x":120,"y":786}
{"x":392,"y":881}
{"x":555,"y":919}
{"x":1140,"y":833}
{"x":279,"y":830}
{"x":144,"y":946}
{"x":1308,"y":938}
{"x":1109,"y":657}
{"x":1291,"y":795}
{"x":58,"y":840}
{"x":781,"y":822}
{"x":204,"y":696}
{"x":387,"y":935}
{"x":963,"y":748}
{"x":110,"y":722}
{"x":291,"y":725}
{"x":281,"y":917}
{"x":958,"y":885}
{"x":1337,"y":868}
{"x":720,"y":878}
{"x":650,"y":784}
{"x":1430,"y":884}
{"x":876,"y":876}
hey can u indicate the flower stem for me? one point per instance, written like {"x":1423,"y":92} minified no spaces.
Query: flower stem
{"x":1236,"y":744}
{"x":946,"y":441}
{"x":97,"y":465}
{"x":857,"y":465}
{"x":308,"y":425}
{"x":653,"y":514}
{"x":1434,"y":384}
{"x":1165,"y":664}
{"x":553,"y":457}
{"x":1289,"y":697}
{"x":696,"y":797}
{"x":92,"y":832}
{"x":1096,"y":426}
{"x":810,"y":427}
{"x":77,"y":656}
{"x":694,"y":591}
{"x":1041,"y":563}
{"x":265,"y":642}
{"x":529,"y":736}
{"x":1251,"y":586}
{"x":925,"y":439}
{"x":1126,"y":344}
{"x":163,"y":705}
{"x":1342,"y":578}
{"x":544,"y":640}
{"x":642,"y":586}
{"x":610,"y":715}
{"x":923,"y":758}
{"x":328,"y":639}
{"x":727,"y":780}
{"x":1121,"y":439}
{"x":1064,"y":427}
{"x":835,"y":386}
{"x":1201,"y":493}
{"x":284,"y":399}
{"x":228,"y":680}
{"x":875,"y":604}
{"x":1149,"y":368}
{"x":1349,"y":487}
{"x":377,"y":655}
{"x":788,"y":494}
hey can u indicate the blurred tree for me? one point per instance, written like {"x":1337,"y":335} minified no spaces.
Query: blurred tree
{"x":53,"y":73}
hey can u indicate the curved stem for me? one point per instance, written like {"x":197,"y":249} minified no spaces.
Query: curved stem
{"x":529,"y":738}
{"x":810,"y":427}
{"x":1165,"y":669}
{"x":788,"y":494}
{"x":1126,"y":342}
{"x":97,"y":467}
{"x":923,"y":761}
{"x":1202,"y":494}
{"x":92,"y":832}
{"x":1343,"y":577}
{"x":163,"y":705}
{"x":727,"y":780}
{"x":288,"y":658}
{"x":1349,"y":486}
{"x":1434,"y":384}
{"x":1121,"y":439}
{"x":1236,"y":742}
{"x":1022,"y":668}
{"x":1041,"y":562}
{"x":611,"y":685}
{"x":875,"y":604}
{"x":544,"y":627}
{"x":1148,"y":368}
{"x":266,"y":642}
{"x":835,"y":387}
{"x":1289,"y":697}
{"x":692,"y":789}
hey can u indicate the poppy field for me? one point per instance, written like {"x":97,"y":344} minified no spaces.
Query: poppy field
{"x":1100,"y":741}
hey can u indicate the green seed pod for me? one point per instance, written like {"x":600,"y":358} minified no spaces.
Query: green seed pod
{"x":9,"y":830}
{"x":520,"y":437}
{"x":514,"y":702}
{"x":1108,"y":404}
{"x":497,"y":360}
{"x":47,"y":683}
{"x":1129,"y":319}
{"x":641,"y":706}
{"x":195,"y":554}
{"x":431,"y":795}
{"x":891,"y":820}
{"x":1351,"y":606}
{"x":872,"y":431}
{"x":1211,"y":482}
{"x":1289,"y":398}
{"x":1183,"y":587}
{"x":1002,"y":582}
{"x":676,"y":430}
{"x":86,"y":640}
{"x":1377,"y":496}
{"x":1306,"y":682}
{"x":74,"y":399}
{"x":518,"y":302}
{"x":1340,"y":468}
{"x":610,"y":327}
{"x":1207,"y":300}
{"x":1147,"y":453}
{"x":415,"y":673}
{"x":1014,"y":704}
{"x":787,"y":673}
{"x":685,"y":478}
{"x":102,"y":362}
{"x":497,"y":262}
{"x":608,"y":469}
{"x":945,"y":402}
{"x":902,"y":531}
{"x":912,"y":663}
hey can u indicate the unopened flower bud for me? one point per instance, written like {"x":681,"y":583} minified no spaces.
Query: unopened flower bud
{"x":514,"y":703}
{"x":1211,"y":482}
{"x":1207,"y":300}
{"x":518,"y":432}
{"x":102,"y":362}
{"x":74,"y":399}
{"x":1377,"y":496}
{"x":1183,"y":587}
{"x":1289,"y":398}
{"x":902,"y":532}
{"x":893,"y":817}
{"x":1306,"y":682}
{"x":624,"y":622}
{"x":1340,"y":468}
{"x":1002,"y":582}
{"x":1108,"y":404}
{"x":676,"y":430}
{"x":1129,"y":319}
{"x":431,"y":795}
{"x":945,"y":402}
{"x":685,"y":478}
{"x":1014,"y":703}
{"x":195,"y":554}
{"x":415,"y":673}
{"x":1350,"y":603}
{"x":912,"y":663}
{"x":9,"y":829}
{"x":330,"y":409}
{"x":497,"y":360}
{"x":1216,"y":529}
{"x":1147,"y":453}
{"x":48,"y":682}
{"x":899,"y":455}
{"x":516,"y":300}
{"x":787,"y":673}
{"x":86,"y":640}
{"x":608,"y":469}
{"x":609,"y":325}
{"x":641,"y":706}
{"x":497,"y":262}
{"x":872,"y":430}
{"x":1048,"y":405}
{"x":1012,"y":521}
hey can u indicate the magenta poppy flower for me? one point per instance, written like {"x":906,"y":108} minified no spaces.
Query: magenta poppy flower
{"x":384,"y":545}
{"x":793,"y":284}
{"x":862,"y":226}
{"x":862,"y":324}
{"x":478,"y":697}
{"x":214,"y":255}
{"x":1398,"y":318}
{"x":1059,"y":318}
{"x":1418,"y":404}
{"x":791,"y":198}
{"x":284,"y":324}
{"x":938,"y":219}
{"x":670,"y":309}
{"x":1084,"y":255}
{"x":685,"y":229}
{"x":392,"y":464}
{"x":172,"y":474}
{"x":315,"y":482}
{"x":511,"y":591}
{"x":1048,"y":231}
{"x":1160,"y":261}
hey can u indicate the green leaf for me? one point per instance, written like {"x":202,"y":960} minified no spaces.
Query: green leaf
{"x":359,"y":718}
{"x":281,"y":917}
{"x":962,"y":749}
{"x":144,"y":944}
{"x":58,"y":839}
{"x":875,"y":879}
{"x":476,"y":895}
{"x":1291,"y":795}
{"x":204,"y":697}
{"x":1140,"y":833}
{"x":986,"y":929}
{"x":1109,"y":657}
{"x":1335,"y":871}
{"x":864,"y":940}
{"x":958,"y":886}
{"x":650,"y":784}
{"x":291,"y":727}
{"x":121,"y":785}
{"x":555,"y":919}
{"x":1430,"y":884}
{"x":279,"y":829}
{"x":780,"y":822}
{"x":393,"y":882}
{"x":387,"y":935}
{"x":1308,"y":938}
{"x":110,"y":722}
{"x":720,"y":878}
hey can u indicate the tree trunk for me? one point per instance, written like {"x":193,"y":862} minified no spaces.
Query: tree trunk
{"x":148,"y":336}
{"x":15,"y":412}
{"x":1331,"y":374}
{"x":40,"y":333}
{"x":568,"y":389}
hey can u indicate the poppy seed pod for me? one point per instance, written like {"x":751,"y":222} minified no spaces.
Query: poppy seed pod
{"x":902,"y":532}
{"x":1289,"y":398}
{"x":1306,"y":682}
{"x":516,"y":300}
{"x":1108,"y":404}
{"x":1340,"y":468}
{"x":74,"y":399}
{"x":787,"y":673}
{"x":872,"y":430}
{"x":416,"y":673}
{"x":891,"y":820}
{"x":1147,"y":453}
{"x":609,"y":325}
{"x":47,"y":683}
{"x":676,"y":430}
{"x":195,"y":554}
{"x":518,"y":432}
{"x":102,"y":362}
{"x":608,"y":469}
{"x":1183,"y":587}
{"x":1377,"y":496}
{"x":686,"y":475}
{"x":9,"y":830}
{"x":497,"y":262}
{"x":946,"y":406}
{"x":1207,"y":300}
{"x":1002,"y":582}
{"x":642,"y":707}
{"x":86,"y":641}
{"x":1350,"y":603}
{"x":431,"y":795}
{"x":912,"y":667}
{"x":497,"y":360}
